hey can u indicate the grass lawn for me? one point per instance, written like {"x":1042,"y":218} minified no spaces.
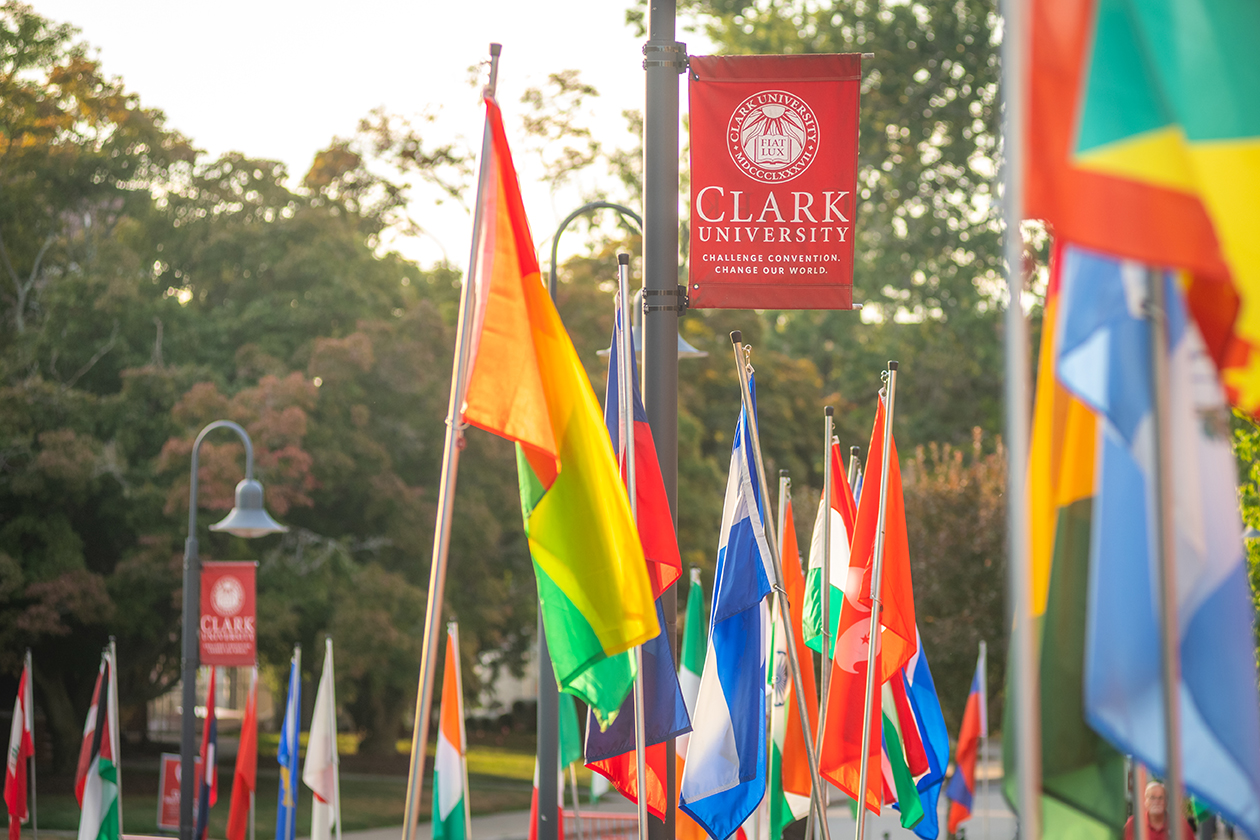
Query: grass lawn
{"x":500,"y":778}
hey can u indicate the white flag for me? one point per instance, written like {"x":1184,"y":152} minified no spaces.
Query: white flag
{"x":320,"y":772}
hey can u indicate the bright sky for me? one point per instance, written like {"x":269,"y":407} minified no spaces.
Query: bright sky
{"x":280,"y":78}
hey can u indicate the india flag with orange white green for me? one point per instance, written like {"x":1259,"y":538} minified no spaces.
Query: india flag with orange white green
{"x":528,"y":385}
{"x":450,"y":773}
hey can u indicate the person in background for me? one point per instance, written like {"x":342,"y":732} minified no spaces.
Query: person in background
{"x":1156,"y":816}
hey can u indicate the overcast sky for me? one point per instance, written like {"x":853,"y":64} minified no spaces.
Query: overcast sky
{"x":280,"y":78}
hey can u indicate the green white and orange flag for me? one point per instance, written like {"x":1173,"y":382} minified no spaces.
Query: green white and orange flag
{"x":96,"y":779}
{"x":527,"y":385}
{"x":450,"y":769}
{"x":790,"y":785}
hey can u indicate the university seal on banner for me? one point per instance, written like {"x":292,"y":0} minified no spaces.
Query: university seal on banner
{"x":772,"y":136}
{"x":228,"y":596}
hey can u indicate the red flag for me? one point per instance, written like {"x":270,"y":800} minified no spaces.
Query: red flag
{"x":89,"y":730}
{"x":841,"y":751}
{"x":209,"y":793}
{"x":533,"y":806}
{"x":245,"y":779}
{"x":21,"y":748}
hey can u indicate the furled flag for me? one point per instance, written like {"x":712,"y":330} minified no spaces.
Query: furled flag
{"x":789,"y":763}
{"x":208,"y":794}
{"x":320,"y":771}
{"x":450,"y":769}
{"x":528,"y":385}
{"x":900,"y":743}
{"x":610,"y":751}
{"x":245,"y":779}
{"x":840,"y":755}
{"x":725,"y":774}
{"x":843,"y":516}
{"x":962,"y":785}
{"x":694,"y":645}
{"x":1105,"y":359}
{"x":1083,"y":778}
{"x":1144,"y":142}
{"x":569,"y":746}
{"x":287,"y":752}
{"x":21,"y":749}
{"x":96,"y":779}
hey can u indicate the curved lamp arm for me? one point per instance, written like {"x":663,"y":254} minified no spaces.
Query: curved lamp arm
{"x":192,"y":489}
{"x":589,"y":207}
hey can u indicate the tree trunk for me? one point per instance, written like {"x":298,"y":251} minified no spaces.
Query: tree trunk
{"x":66,"y":731}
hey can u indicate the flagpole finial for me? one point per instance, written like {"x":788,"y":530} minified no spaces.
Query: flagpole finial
{"x":783,"y":473}
{"x":736,"y":336}
{"x":829,"y":411}
{"x":623,"y":259}
{"x":892,"y":365}
{"x":495,"y":49}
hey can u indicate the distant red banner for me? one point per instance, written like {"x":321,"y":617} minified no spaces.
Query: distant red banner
{"x":773,"y":180}
{"x":168,"y":791}
{"x":229,"y":622}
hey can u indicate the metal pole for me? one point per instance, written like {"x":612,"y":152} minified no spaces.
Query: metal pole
{"x":1139,"y":801}
{"x":1018,"y":418}
{"x":877,"y":573}
{"x":625,"y":395}
{"x":855,"y":464}
{"x":664,"y":60}
{"x":112,"y":732}
{"x":785,"y":610}
{"x":588,"y":207}
{"x":548,"y":740}
{"x":446,"y":499}
{"x":577,"y":811}
{"x":191,"y":611}
{"x":1165,"y":550}
{"x":29,"y":708}
{"x":828,"y":494}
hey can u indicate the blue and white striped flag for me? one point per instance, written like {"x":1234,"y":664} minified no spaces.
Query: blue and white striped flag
{"x":1105,"y":359}
{"x":725,"y":775}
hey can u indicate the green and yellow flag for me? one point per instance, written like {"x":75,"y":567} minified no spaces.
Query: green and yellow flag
{"x":527,"y":385}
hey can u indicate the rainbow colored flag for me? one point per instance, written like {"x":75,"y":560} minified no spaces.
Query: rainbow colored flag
{"x":527,"y":385}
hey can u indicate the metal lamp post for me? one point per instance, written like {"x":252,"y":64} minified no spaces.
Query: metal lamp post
{"x":247,"y":519}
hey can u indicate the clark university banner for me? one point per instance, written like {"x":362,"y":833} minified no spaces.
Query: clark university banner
{"x":228,"y":625}
{"x":773,"y":180}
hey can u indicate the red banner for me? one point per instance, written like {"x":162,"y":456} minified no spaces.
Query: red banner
{"x":168,"y":791}
{"x":228,"y":626}
{"x":773,"y":180}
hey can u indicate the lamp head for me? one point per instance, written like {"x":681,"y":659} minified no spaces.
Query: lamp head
{"x":248,"y":519}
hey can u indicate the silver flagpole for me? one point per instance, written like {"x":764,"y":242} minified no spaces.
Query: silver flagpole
{"x":1027,"y":697}
{"x":446,"y":497}
{"x":112,"y":732}
{"x":625,"y":397}
{"x":1165,"y":549}
{"x":29,"y":708}
{"x":877,"y":573}
{"x":828,"y":495}
{"x":743,"y":368}
{"x":855,"y":465}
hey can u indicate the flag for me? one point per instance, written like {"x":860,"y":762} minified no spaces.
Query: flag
{"x":1144,"y":142}
{"x":533,"y":803}
{"x":610,"y":751}
{"x":450,"y":768}
{"x":925,"y":707}
{"x":245,"y":779}
{"x":840,"y":754}
{"x":962,"y":785}
{"x":900,"y":791}
{"x":96,"y":779}
{"x":527,"y":384}
{"x":843,"y":515}
{"x":287,"y":753}
{"x":725,"y":774}
{"x":1104,"y":358}
{"x":320,"y":771}
{"x":790,"y":783}
{"x":21,"y":749}
{"x":694,"y":645}
{"x":208,"y":795}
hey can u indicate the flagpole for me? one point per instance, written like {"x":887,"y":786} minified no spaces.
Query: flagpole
{"x":577,"y":814}
{"x":1023,"y":651}
{"x":446,"y":498}
{"x":332,"y":728}
{"x":112,"y":731}
{"x":855,"y":464}
{"x":877,"y":573}
{"x":829,"y":492}
{"x":742,"y":367}
{"x":984,"y":735}
{"x":1166,"y":555}
{"x":253,"y":690}
{"x":625,"y":396}
{"x":28,"y":703}
{"x":294,"y":778}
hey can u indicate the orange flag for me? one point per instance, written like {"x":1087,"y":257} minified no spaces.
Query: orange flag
{"x":840,"y":754}
{"x":244,"y":781}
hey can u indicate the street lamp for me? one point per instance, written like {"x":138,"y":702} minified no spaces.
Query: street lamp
{"x":247,"y":519}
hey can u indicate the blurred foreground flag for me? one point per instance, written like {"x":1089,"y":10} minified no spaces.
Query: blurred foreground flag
{"x":450,"y":770}
{"x":1144,"y":142}
{"x":527,"y":385}
{"x":1105,"y":359}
